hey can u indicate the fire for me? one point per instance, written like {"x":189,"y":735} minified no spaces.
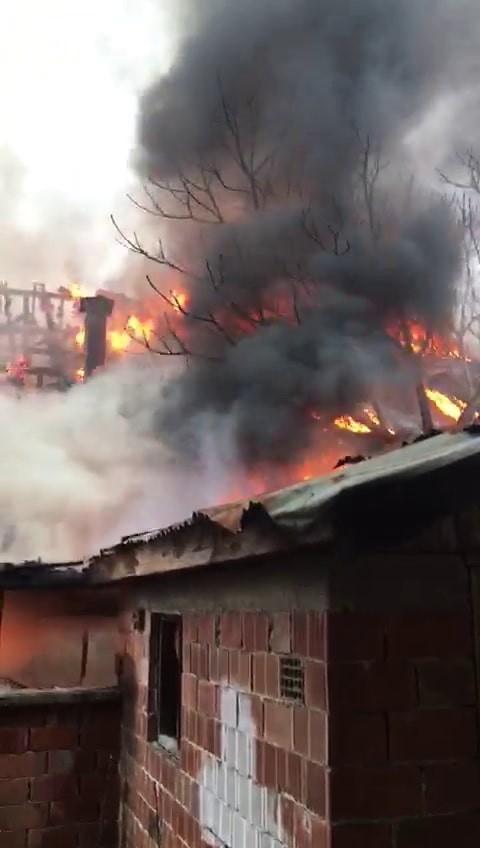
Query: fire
{"x":346,"y":422}
{"x":140,"y":330}
{"x":119,"y":340}
{"x":373,"y":417}
{"x":80,"y":338}
{"x":76,"y":291}
{"x":361,"y":429}
{"x":451,"y":407}
{"x":135,"y":330}
{"x":128,"y":327}
{"x":179,"y":300}
{"x":424,"y":342}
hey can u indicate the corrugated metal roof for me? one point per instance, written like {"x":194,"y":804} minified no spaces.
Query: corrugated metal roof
{"x":392,"y":494}
{"x":39,"y":575}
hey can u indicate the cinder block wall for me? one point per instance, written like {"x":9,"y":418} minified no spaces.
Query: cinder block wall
{"x":384,"y":751}
{"x":59,"y":771}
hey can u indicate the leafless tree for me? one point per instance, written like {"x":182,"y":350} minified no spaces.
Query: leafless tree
{"x":465,"y":197}
{"x":209,"y":196}
{"x":371,"y":165}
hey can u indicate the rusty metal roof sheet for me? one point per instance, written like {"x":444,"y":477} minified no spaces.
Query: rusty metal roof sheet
{"x":390,"y":495}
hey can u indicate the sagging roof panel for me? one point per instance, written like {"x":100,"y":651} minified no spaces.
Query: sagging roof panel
{"x":392,"y":494}
{"x":381,"y":498}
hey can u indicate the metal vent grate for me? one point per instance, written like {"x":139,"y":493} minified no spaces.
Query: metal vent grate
{"x":292,"y":679}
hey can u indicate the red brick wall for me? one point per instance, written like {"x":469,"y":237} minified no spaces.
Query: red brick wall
{"x":230,"y":688}
{"x":403,"y":734}
{"x":42,"y":637}
{"x":383,"y":753}
{"x":59,"y":774}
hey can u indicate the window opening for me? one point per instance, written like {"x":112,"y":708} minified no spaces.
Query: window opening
{"x":165,"y":681}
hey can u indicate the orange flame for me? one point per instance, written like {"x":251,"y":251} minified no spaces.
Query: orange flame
{"x":126,"y":328}
{"x":373,"y":417}
{"x":346,"y":422}
{"x":76,"y":291}
{"x":179,"y":300}
{"x":135,"y":330}
{"x":140,"y":330}
{"x":120,"y":340}
{"x":422,"y":341}
{"x":451,"y":407}
{"x":80,"y":338}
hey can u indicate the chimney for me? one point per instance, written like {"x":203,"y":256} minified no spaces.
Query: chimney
{"x":96,"y":309}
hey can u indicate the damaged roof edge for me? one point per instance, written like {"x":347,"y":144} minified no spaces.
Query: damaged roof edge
{"x":384,"y":499}
{"x":39,"y":575}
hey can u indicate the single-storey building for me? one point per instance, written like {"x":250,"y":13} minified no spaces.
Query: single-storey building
{"x":60,"y":709}
{"x":298,"y":672}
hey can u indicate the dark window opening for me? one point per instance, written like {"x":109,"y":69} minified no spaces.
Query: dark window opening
{"x":165,"y":681}
{"x":292,"y":679}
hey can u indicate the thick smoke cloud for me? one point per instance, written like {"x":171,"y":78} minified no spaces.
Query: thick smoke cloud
{"x":298,"y":105}
{"x":51,"y":238}
{"x":310,"y":68}
{"x":82,"y":469}
{"x":305,"y":87}
{"x":64,"y":166}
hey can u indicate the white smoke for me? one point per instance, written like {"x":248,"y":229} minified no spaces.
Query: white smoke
{"x":81,"y":469}
{"x":72,"y":75}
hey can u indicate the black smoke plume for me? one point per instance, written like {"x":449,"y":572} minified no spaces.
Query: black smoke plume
{"x":299,"y":112}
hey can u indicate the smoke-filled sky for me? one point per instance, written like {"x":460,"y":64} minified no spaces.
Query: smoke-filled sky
{"x":281,"y":99}
{"x":303,"y":84}
{"x":71,"y":73}
{"x":83,"y":469}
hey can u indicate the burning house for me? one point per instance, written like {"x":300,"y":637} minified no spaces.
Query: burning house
{"x":54,"y":339}
{"x":300,"y":670}
{"x":309,"y":296}
{"x":298,"y":667}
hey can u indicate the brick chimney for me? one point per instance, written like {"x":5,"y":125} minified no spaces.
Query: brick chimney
{"x":97,"y":310}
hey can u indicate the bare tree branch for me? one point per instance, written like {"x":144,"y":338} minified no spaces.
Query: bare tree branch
{"x":311,"y":229}
{"x":245,"y":177}
{"x":371,"y":167}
